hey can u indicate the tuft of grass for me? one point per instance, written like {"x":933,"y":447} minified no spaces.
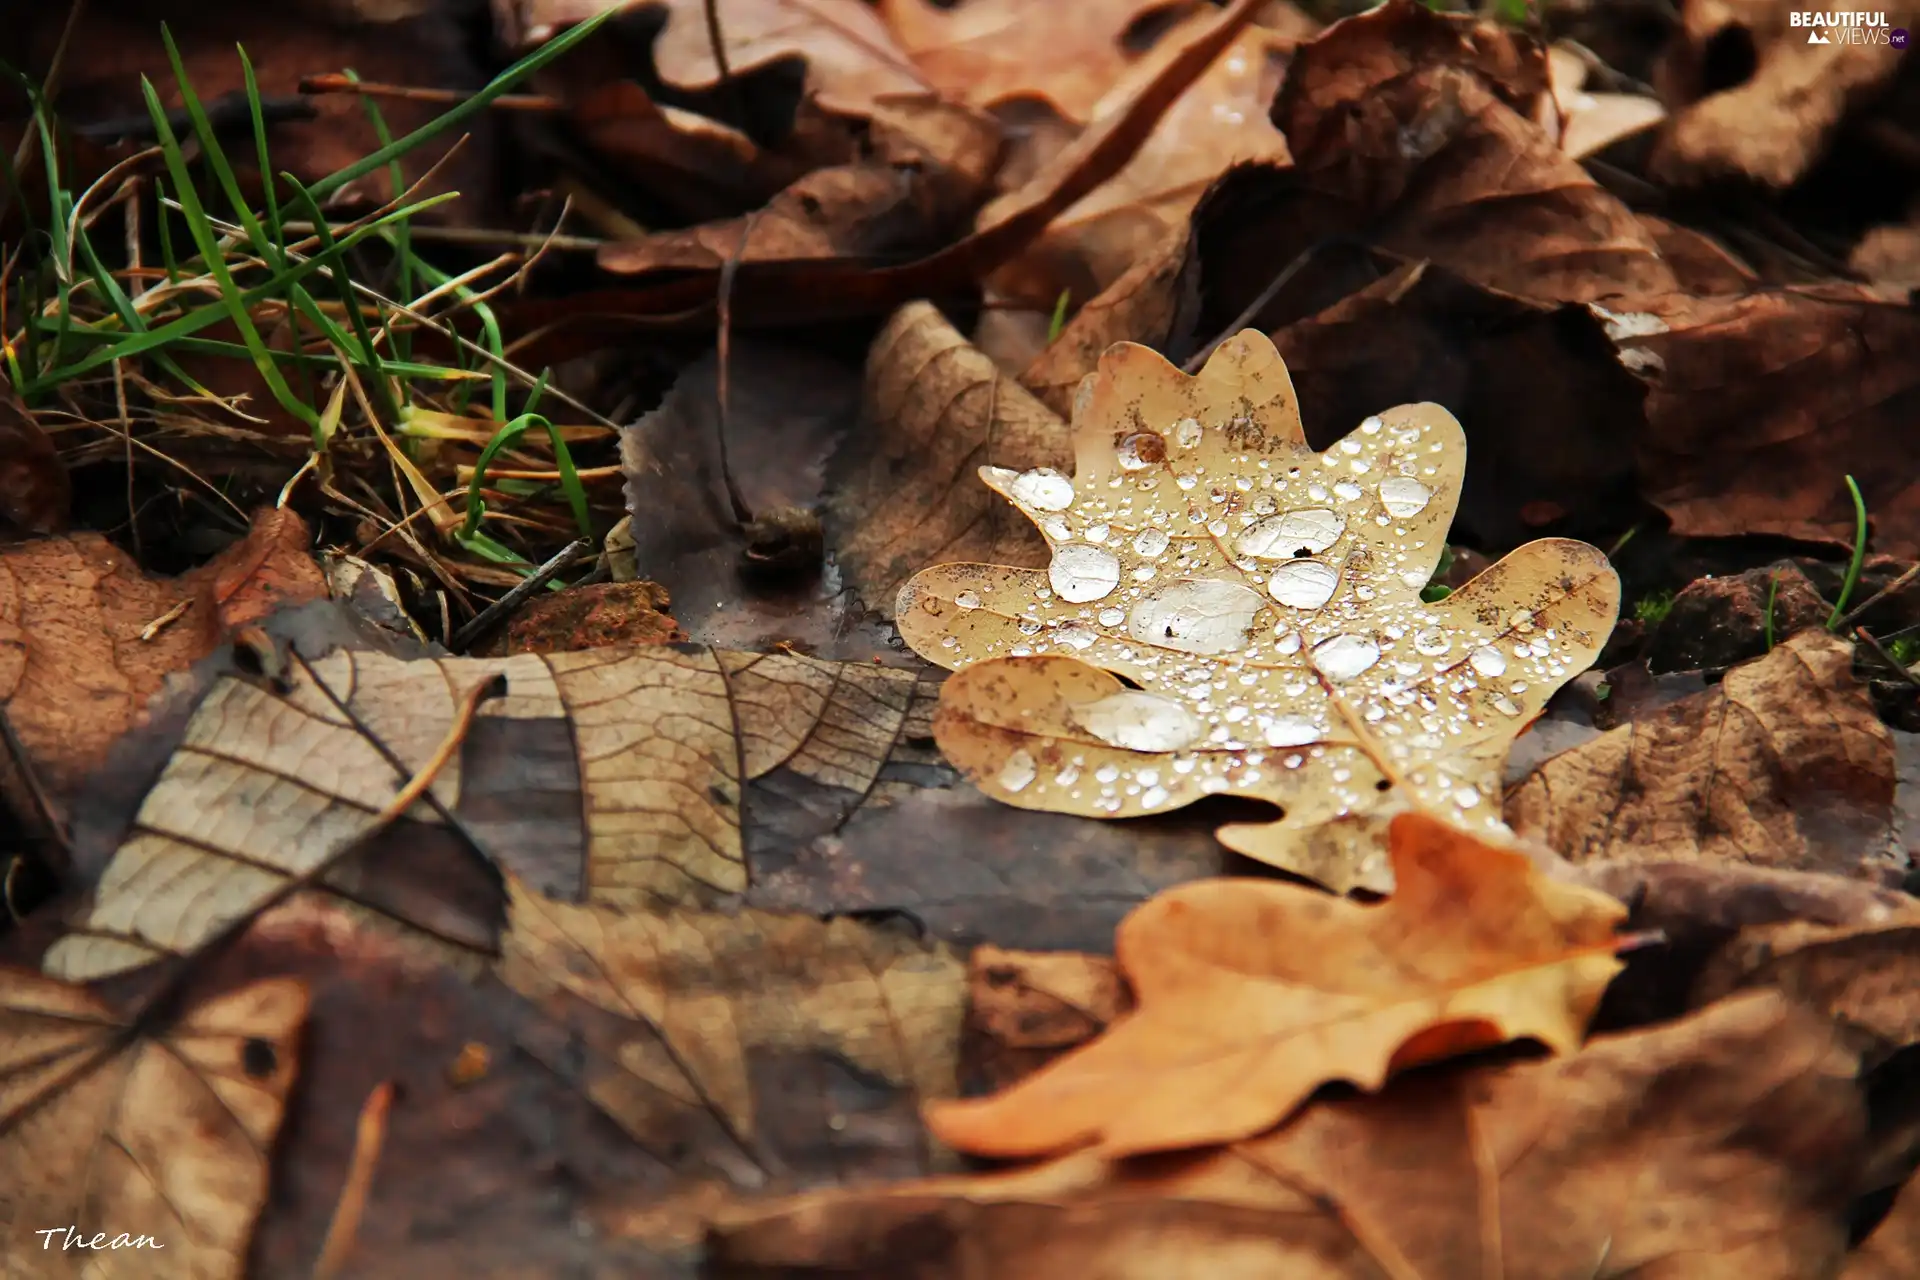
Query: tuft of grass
{"x":1859,"y":555}
{"x":1653,"y":609}
{"x":311,"y":317}
{"x":1904,"y":650}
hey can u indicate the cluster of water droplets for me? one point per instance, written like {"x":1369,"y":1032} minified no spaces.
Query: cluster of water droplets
{"x":1237,"y":585}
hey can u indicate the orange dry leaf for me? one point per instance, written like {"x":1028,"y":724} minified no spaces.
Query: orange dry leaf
{"x":1254,"y":993}
{"x":983,"y":52}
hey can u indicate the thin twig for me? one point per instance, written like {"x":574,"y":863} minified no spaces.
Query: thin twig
{"x":742,"y":513}
{"x":717,"y":40}
{"x":1886,"y":657}
{"x":1267,"y":295}
{"x":489,"y":617}
{"x":1847,"y":619}
{"x":369,"y":1136}
{"x":336,"y":83}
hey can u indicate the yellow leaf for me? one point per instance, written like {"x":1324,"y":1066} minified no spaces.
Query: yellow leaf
{"x":1264,"y":602}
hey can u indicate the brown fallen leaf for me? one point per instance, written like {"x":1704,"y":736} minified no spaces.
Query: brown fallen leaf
{"x":1759,"y":405}
{"x":851,"y":58}
{"x":1783,"y":764}
{"x":621,"y":776}
{"x":1863,"y":976}
{"x":35,"y":494}
{"x":1027,"y":1006}
{"x":984,"y":52}
{"x":1263,"y":600}
{"x":1253,"y":993}
{"x":86,"y":639}
{"x":1587,"y":122}
{"x":1217,"y":123}
{"x":1441,"y":161}
{"x":699,"y":1014}
{"x":1892,"y":1250}
{"x":596,"y":616}
{"x":1505,"y":365}
{"x":1776,"y":121}
{"x":1745,"y":1119}
{"x":150,"y":1146}
{"x":933,"y":408}
{"x":1153,"y":304}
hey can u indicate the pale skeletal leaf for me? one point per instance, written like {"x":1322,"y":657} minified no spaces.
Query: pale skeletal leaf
{"x":152,"y":1146}
{"x":1264,"y":599}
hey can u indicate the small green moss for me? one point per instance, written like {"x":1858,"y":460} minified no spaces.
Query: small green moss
{"x":1904,"y":650}
{"x":1654,"y":609}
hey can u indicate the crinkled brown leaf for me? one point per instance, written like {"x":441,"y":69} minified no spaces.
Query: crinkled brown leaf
{"x":78,"y":662}
{"x":1863,"y":976}
{"x":1254,"y":993}
{"x":721,"y":1018}
{"x":1721,"y":1147}
{"x":1782,"y":764}
{"x":1436,"y":150}
{"x":615,"y":775}
{"x":1220,"y":121}
{"x":851,"y":59}
{"x":1759,"y":405}
{"x":934,"y":408}
{"x":164,"y":1134}
{"x":984,"y":52}
{"x":1265,"y":601}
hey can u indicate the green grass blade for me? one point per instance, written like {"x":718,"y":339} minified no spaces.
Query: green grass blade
{"x":1859,"y":555}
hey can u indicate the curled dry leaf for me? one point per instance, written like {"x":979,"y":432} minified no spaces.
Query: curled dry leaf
{"x":933,"y":406}
{"x":1586,"y":122}
{"x":1759,"y":405}
{"x":1253,"y":993}
{"x":984,"y":52}
{"x":1783,"y":764}
{"x":722,"y":1017}
{"x":1264,"y":602}
{"x":850,"y":57}
{"x":160,"y":1133}
{"x":619,"y":776}
{"x":86,"y":639}
{"x":1744,"y":1119}
{"x":1217,"y":123}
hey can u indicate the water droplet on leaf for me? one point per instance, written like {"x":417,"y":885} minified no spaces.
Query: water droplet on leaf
{"x":1203,"y":615}
{"x":967,"y":600}
{"x":1017,"y":772}
{"x":1292,"y":731}
{"x":1081,"y":573}
{"x":1487,"y":660}
{"x":1345,"y":656}
{"x":1404,"y":496}
{"x":1138,"y":721}
{"x":1151,"y":542}
{"x":1280,"y":537}
{"x":1303,"y":584}
{"x":1043,"y":489}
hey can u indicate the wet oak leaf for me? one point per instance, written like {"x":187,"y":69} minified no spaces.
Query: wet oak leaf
{"x":618,"y":776}
{"x":1253,"y":993}
{"x":702,"y":995}
{"x":1263,"y":601}
{"x":164,"y":1134}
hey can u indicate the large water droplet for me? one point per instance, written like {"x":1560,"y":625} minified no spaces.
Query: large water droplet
{"x":1081,"y":572}
{"x":1433,"y":642}
{"x":1280,"y":537}
{"x":1043,"y":489}
{"x":1347,"y":490}
{"x":1303,"y":584}
{"x":1488,"y":661}
{"x":1140,"y":449}
{"x":1017,"y":772}
{"x":1292,"y":731}
{"x":1186,"y":432}
{"x":1404,"y":496}
{"x":967,"y":600}
{"x":1203,"y":615}
{"x":1075,"y":636}
{"x":1138,"y":721}
{"x":1345,"y":656}
{"x":1151,"y":542}
{"x":1111,"y":617}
